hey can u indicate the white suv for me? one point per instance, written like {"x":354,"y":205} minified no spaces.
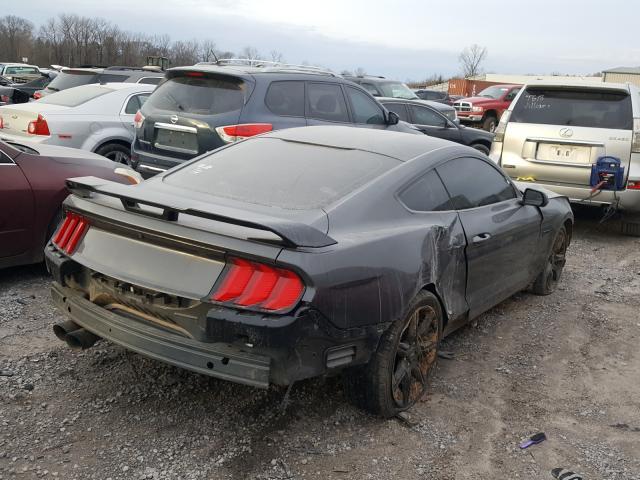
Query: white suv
{"x":553,"y":134}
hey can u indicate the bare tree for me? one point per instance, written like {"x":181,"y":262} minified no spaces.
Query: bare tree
{"x":15,"y":37}
{"x":471,"y":59}
{"x":359,"y":72}
{"x":208,"y":51}
{"x":250,"y":53}
{"x":276,"y":56}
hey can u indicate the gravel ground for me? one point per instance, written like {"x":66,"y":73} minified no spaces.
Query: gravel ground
{"x":567,"y":364}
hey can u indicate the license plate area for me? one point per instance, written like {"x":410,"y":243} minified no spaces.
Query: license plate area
{"x":563,"y":153}
{"x":181,"y":140}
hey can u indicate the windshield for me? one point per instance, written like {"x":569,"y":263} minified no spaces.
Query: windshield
{"x":493,"y":92}
{"x":76,"y":96}
{"x":19,"y":70}
{"x":71,"y":79}
{"x":284,"y":174}
{"x":396,"y":90}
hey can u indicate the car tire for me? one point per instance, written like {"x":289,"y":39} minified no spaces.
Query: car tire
{"x":548,"y":278}
{"x":481,"y":148}
{"x":489,"y":123}
{"x":116,"y":152}
{"x":409,"y":348}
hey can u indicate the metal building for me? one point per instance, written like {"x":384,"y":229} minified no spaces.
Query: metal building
{"x":623,"y":75}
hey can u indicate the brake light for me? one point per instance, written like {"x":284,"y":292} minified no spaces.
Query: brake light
{"x":256,"y":285}
{"x":38,"y":126}
{"x":233,"y":133}
{"x":70,"y":233}
{"x":633,"y":185}
{"x":1,"y":122}
{"x":37,"y":95}
{"x":635,"y":142}
{"x":4,"y":98}
{"x":194,"y":74}
{"x":138,"y":120}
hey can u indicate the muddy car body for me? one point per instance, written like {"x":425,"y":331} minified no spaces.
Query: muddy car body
{"x":316,"y":247}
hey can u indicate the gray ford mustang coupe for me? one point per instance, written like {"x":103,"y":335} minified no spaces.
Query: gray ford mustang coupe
{"x":304,"y":252}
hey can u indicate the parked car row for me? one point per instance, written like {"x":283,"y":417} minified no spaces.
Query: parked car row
{"x":289,"y":244}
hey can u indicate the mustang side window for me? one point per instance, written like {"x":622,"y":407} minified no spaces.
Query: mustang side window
{"x":473,"y":182}
{"x":427,"y":194}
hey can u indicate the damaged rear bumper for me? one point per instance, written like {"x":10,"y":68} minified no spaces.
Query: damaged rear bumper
{"x":219,"y":360}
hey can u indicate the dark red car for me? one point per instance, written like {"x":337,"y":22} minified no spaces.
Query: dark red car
{"x":32,"y":188}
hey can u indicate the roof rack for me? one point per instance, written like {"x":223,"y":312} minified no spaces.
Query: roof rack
{"x":270,"y":66}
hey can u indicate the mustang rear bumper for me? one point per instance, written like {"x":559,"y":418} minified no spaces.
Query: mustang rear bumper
{"x":218,"y":360}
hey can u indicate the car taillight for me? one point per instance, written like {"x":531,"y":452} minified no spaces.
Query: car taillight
{"x":502,"y":126}
{"x":233,"y":133}
{"x":633,"y":185}
{"x":138,"y":120}
{"x":256,"y":285}
{"x":4,"y":98}
{"x":37,"y":95}
{"x":635,"y":142}
{"x":1,"y":122}
{"x":70,"y":233}
{"x":38,"y":126}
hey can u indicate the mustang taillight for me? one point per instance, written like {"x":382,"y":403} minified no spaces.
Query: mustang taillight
{"x":256,"y":285}
{"x":71,"y":232}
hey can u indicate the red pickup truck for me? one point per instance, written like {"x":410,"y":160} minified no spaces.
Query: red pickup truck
{"x":485,"y":109}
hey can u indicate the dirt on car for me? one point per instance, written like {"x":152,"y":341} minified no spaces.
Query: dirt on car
{"x":566,"y":364}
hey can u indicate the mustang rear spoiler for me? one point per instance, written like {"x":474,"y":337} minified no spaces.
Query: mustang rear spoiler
{"x":295,"y":234}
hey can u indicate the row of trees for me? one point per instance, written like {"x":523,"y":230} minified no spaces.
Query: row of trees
{"x":73,"y":40}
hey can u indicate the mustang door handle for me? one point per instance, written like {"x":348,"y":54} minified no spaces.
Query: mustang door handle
{"x":481,"y":237}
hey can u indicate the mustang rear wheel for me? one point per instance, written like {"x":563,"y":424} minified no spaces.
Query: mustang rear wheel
{"x":548,"y":278}
{"x":400,"y":371}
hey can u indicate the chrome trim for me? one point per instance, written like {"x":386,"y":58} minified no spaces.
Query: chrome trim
{"x":153,"y":169}
{"x":174,"y":149}
{"x":565,"y":142}
{"x":177,"y":128}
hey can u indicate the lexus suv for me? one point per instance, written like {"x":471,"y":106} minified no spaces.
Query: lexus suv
{"x":203,"y":107}
{"x":560,"y":135}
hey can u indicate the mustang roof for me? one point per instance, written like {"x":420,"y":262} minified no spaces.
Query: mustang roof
{"x":401,"y":146}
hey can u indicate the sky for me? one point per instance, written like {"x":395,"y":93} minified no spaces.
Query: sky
{"x":403,"y":39}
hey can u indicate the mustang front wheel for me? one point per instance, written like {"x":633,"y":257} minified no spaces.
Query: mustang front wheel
{"x":548,"y":278}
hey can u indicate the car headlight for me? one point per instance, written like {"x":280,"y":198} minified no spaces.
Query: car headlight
{"x":132,"y":176}
{"x":477,"y":109}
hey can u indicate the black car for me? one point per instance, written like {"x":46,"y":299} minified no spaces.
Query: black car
{"x":74,"y":77}
{"x":434,"y":96}
{"x":431,"y":121}
{"x":203,"y":107}
{"x":21,"y":92}
{"x":304,"y":252}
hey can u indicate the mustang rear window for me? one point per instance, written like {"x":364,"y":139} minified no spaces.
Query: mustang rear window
{"x":576,"y":107}
{"x":284,"y":174}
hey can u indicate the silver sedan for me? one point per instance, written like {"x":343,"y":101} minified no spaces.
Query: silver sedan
{"x":97,"y":118}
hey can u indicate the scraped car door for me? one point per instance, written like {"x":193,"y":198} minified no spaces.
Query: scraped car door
{"x":502,"y":234}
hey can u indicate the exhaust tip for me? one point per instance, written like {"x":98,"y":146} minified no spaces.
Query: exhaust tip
{"x":61,"y":330}
{"x":81,"y":339}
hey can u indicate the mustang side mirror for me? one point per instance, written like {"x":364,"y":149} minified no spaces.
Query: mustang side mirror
{"x":392,"y":118}
{"x":535,"y":198}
